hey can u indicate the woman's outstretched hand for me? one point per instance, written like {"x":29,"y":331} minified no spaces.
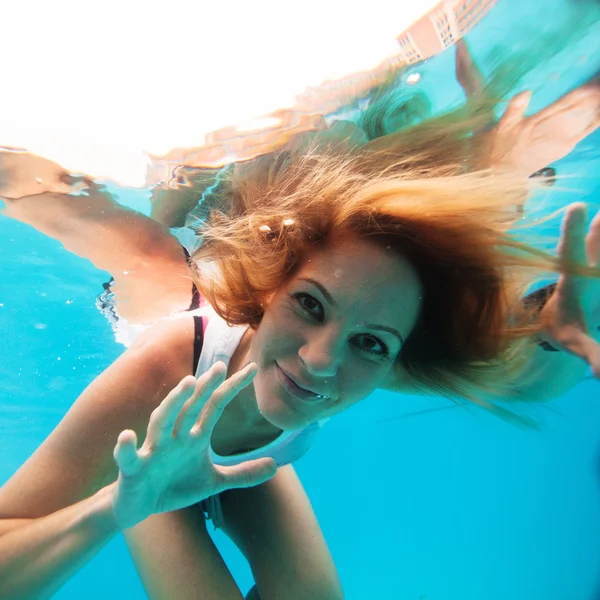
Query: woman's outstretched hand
{"x":524,"y":145}
{"x":572,"y":314}
{"x":173,"y":469}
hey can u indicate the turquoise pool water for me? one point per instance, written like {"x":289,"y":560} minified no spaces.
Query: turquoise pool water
{"x":442,"y":505}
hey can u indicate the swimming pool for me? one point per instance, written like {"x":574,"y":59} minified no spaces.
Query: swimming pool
{"x":449,"y":504}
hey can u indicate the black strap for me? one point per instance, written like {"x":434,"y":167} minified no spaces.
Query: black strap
{"x":198,"y":325}
{"x":198,"y":341}
{"x":538,"y":298}
{"x":195,"y":303}
{"x":195,"y":298}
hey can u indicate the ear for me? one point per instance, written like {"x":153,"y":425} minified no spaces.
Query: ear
{"x":266,"y":303}
{"x":269,"y":299}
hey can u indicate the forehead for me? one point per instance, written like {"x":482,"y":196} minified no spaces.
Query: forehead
{"x":366,"y":280}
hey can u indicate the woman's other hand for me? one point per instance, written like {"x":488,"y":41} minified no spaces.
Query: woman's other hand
{"x":572,"y":314}
{"x":173,"y":469}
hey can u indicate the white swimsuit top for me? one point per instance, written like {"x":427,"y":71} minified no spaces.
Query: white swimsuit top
{"x":220,"y":342}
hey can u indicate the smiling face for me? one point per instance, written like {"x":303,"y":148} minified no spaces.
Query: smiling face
{"x":331,"y":335}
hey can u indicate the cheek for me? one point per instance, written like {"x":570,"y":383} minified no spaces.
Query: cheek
{"x":278,"y":335}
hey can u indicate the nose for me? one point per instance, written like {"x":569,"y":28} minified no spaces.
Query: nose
{"x":322,"y":352}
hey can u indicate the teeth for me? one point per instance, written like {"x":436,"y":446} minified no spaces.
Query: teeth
{"x":321,"y":397}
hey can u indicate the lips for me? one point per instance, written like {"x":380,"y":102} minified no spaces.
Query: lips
{"x":296,"y":390}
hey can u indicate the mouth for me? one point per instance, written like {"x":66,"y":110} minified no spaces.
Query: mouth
{"x":296,"y":391}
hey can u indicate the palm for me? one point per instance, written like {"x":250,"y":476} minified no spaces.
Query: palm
{"x":170,"y":478}
{"x":173,"y":469}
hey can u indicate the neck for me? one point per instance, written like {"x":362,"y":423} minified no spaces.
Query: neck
{"x":242,"y":427}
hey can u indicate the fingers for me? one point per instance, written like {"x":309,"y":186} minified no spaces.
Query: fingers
{"x":222,"y":397}
{"x":248,"y":474}
{"x":126,"y":454}
{"x":163,"y":417}
{"x":515,"y":111}
{"x":572,"y":246}
{"x":207,"y":384}
{"x":195,"y":406}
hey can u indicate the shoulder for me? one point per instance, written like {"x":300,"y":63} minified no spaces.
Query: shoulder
{"x":165,"y":349}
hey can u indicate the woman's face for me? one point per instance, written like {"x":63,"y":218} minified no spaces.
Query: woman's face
{"x":330,"y":336}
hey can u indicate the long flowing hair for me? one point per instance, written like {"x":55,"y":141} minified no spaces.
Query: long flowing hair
{"x":420,"y":188}
{"x":473,"y":335}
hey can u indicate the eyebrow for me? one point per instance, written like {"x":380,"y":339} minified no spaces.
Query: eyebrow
{"x":332,"y":302}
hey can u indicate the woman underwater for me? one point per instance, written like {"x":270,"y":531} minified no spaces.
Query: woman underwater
{"x":330,"y":274}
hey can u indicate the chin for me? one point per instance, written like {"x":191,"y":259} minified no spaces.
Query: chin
{"x":276,"y":410}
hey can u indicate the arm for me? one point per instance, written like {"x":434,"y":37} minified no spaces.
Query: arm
{"x":37,"y":556}
{"x":273,"y":524}
{"x":275,"y":527}
{"x":140,"y":253}
{"x":51,"y":518}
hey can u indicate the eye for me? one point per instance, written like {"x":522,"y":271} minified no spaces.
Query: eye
{"x":310,"y":305}
{"x":371,"y":344}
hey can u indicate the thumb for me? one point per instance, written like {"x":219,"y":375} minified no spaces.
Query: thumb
{"x":515,"y":111}
{"x":125,"y":452}
{"x":248,"y":474}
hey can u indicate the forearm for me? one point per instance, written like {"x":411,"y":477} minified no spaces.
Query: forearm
{"x":140,"y":254}
{"x":94,"y":226}
{"x":38,"y":556}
